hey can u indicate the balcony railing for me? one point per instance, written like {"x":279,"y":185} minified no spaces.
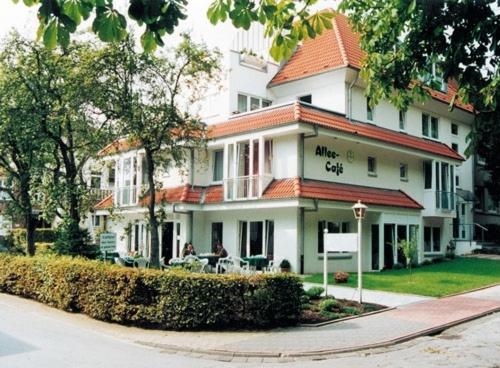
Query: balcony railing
{"x":246,"y":187}
{"x":126,"y":196}
{"x":445,"y":200}
{"x":99,"y":194}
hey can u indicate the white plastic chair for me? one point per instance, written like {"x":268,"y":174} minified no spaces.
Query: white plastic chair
{"x":223,"y":265}
{"x":190,"y":259}
{"x":163,"y":265}
{"x":176,"y":261}
{"x":272,"y":268}
{"x":119,"y":261}
{"x":141,"y":263}
{"x":233,"y":264}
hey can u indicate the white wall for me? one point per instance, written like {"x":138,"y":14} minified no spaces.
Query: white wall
{"x":285,"y":156}
{"x":328,"y":90}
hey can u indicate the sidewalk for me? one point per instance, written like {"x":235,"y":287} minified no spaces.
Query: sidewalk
{"x":383,"y":329}
{"x":371,"y":296}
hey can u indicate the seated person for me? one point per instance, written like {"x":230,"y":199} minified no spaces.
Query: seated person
{"x":188,"y":250}
{"x":220,"y":251}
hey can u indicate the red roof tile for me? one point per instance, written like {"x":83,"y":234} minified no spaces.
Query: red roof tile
{"x":119,"y":145}
{"x":314,"y":189}
{"x":105,"y":203}
{"x":182,"y":194}
{"x":214,"y":194}
{"x":337,"y":48}
{"x":297,"y":112}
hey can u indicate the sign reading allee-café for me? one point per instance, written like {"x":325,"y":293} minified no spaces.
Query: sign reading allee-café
{"x":330,"y":166}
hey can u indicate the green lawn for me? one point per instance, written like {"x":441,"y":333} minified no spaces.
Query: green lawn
{"x":440,"y":279}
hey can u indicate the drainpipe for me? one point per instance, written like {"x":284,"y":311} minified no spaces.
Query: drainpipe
{"x":349,"y":94}
{"x":190,"y":218}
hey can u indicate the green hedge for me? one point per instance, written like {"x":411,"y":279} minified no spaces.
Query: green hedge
{"x":152,"y":298}
{"x":41,"y":236}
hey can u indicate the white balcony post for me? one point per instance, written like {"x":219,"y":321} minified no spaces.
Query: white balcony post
{"x":235,"y":170}
{"x":225,"y":174}
{"x":261,"y":164}
{"x":250,"y":170}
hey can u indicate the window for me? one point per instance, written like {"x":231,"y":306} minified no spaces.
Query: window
{"x":454,"y":147}
{"x":403,"y":172}
{"x":218,"y":165}
{"x":333,"y":228}
{"x":454,"y":129}
{"x":306,"y":99}
{"x":369,"y":110}
{"x":427,"y":174}
{"x":434,"y":127}
{"x":112,"y":176}
{"x":254,"y":103}
{"x":242,"y":103}
{"x":97,"y":221}
{"x":95,"y":180}
{"x":402,"y":120}
{"x":372,"y":166}
{"x":250,"y":103}
{"x":256,"y":238}
{"x":430,"y":126}
{"x":432,"y":239}
{"x":463,"y":209}
{"x":457,"y":181}
{"x":217,"y":228}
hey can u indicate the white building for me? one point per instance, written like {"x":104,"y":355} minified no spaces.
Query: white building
{"x":298,"y":145}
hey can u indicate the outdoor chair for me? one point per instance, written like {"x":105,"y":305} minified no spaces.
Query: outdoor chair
{"x":272,"y":268}
{"x":163,"y":265}
{"x":193,"y":260}
{"x":176,"y":261}
{"x":233,"y":264}
{"x":119,"y":261}
{"x":141,"y":263}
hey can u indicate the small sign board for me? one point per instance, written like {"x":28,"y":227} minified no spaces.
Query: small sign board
{"x":347,"y":242}
{"x":108,"y":242}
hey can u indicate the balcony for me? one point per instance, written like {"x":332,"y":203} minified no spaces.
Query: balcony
{"x":246,"y":187}
{"x":439,"y":204}
{"x":98,"y":194}
{"x":126,"y":196}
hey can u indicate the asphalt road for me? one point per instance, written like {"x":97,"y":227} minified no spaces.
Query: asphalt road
{"x":32,"y":335}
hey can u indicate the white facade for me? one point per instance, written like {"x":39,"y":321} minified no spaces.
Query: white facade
{"x":246,"y":163}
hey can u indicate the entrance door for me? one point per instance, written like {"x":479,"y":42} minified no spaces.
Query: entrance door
{"x":167,"y":240}
{"x":375,"y":247}
{"x":389,"y":245}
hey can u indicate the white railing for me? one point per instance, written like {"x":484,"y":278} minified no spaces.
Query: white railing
{"x":99,"y":194}
{"x":246,"y":187}
{"x":126,"y":196}
{"x":445,"y":200}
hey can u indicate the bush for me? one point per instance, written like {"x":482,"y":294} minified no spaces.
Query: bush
{"x":438,"y":259}
{"x":426,"y":262}
{"x":285,"y":264}
{"x":153,"y":298}
{"x":17,"y":238}
{"x":340,"y":277}
{"x":74,"y":241}
{"x":397,"y":266}
{"x":315,"y":292}
{"x":329,"y":305}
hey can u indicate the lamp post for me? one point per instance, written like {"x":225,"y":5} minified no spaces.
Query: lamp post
{"x":359,"y":210}
{"x":325,"y":263}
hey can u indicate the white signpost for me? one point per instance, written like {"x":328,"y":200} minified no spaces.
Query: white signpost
{"x":107,"y":243}
{"x":347,"y":242}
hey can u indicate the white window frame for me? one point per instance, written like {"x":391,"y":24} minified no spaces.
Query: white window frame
{"x":428,"y":123}
{"x":374,"y":171}
{"x":405,"y":166}
{"x":214,"y":155}
{"x":249,"y":101}
{"x":402,"y":119}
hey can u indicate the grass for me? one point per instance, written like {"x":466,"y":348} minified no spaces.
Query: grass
{"x":448,"y":277}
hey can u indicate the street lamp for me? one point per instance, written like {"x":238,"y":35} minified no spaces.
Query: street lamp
{"x":359,"y":210}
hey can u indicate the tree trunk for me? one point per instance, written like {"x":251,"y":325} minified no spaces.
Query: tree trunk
{"x":153,"y":221}
{"x":28,"y":215}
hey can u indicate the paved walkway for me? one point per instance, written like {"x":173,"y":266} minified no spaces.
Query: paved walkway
{"x":376,"y":330}
{"x":372,"y":296}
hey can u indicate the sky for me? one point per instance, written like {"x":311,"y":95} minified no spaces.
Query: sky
{"x":24,"y":20}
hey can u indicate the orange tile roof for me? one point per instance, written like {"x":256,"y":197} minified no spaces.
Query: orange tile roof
{"x":301,"y":113}
{"x":105,"y":203}
{"x":119,"y":145}
{"x":337,"y":48}
{"x":284,"y":189}
{"x":315,"y":189}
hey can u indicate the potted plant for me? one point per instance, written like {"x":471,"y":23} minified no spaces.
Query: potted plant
{"x":285,"y":266}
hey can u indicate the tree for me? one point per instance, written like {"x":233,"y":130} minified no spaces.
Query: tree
{"x":150,"y":99}
{"x":409,"y":249}
{"x":22,"y":150}
{"x":286,"y":21}
{"x":61,"y":87}
{"x":403,"y":40}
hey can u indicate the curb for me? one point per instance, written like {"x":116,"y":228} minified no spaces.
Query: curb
{"x":217,"y":354}
{"x":326,"y":323}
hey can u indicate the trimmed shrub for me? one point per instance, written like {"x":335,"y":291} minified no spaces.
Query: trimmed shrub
{"x":153,"y":298}
{"x":329,"y":305}
{"x":340,"y":277}
{"x":315,"y":292}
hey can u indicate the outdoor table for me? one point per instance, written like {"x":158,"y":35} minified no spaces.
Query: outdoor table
{"x":257,"y":261}
{"x":129,"y":261}
{"x":212,"y":259}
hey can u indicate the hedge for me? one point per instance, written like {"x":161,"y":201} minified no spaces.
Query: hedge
{"x":153,"y":298}
{"x":41,"y":236}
